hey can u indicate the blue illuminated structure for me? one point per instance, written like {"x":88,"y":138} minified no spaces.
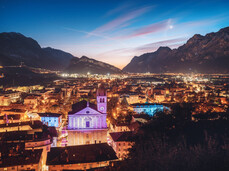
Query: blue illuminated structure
{"x":147,"y":108}
{"x":51,"y":119}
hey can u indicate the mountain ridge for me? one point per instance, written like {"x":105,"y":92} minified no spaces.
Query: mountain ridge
{"x":15,"y":48}
{"x":86,"y":64}
{"x":202,"y":54}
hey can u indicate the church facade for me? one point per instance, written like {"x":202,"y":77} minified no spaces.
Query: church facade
{"x":85,"y":115}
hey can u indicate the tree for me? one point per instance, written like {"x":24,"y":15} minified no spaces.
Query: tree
{"x":171,"y":141}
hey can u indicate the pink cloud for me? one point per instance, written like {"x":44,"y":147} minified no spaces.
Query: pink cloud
{"x":152,"y":28}
{"x":172,"y":43}
{"x":121,"y":21}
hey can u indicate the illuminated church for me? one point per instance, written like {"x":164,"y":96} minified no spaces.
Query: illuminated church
{"x":85,"y":115}
{"x":87,"y":121}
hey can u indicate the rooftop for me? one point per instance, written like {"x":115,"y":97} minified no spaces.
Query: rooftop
{"x":80,"y":154}
{"x":28,"y":157}
{"x":49,"y":115}
{"x":34,"y":124}
{"x":122,"y":136}
{"x":16,"y":110}
{"x":81,"y":105}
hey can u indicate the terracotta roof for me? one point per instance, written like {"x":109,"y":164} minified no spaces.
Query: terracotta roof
{"x":121,"y":124}
{"x":81,"y":105}
{"x":16,"y":110}
{"x":13,"y":116}
{"x":23,"y":136}
{"x":36,"y":124}
{"x":143,"y":116}
{"x":49,"y":114}
{"x":80,"y":154}
{"x":146,"y":104}
{"x":28,"y":157}
{"x":122,"y":136}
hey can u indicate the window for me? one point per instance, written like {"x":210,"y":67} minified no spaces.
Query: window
{"x":87,"y":112}
{"x":87,"y":124}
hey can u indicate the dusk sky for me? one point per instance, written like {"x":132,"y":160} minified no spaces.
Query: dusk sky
{"x":112,"y":31}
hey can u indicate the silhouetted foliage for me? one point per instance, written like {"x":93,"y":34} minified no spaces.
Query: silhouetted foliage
{"x":172,"y":141}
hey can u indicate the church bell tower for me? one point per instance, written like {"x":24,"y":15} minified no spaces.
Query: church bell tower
{"x":102,"y":99}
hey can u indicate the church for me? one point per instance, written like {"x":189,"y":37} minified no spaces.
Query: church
{"x":85,"y":115}
{"x":87,"y":121}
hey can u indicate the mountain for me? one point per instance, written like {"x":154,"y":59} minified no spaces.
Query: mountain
{"x":16,"y":48}
{"x":85,"y":65}
{"x":202,"y":54}
{"x":24,"y":76}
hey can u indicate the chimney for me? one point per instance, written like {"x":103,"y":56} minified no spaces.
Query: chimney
{"x":87,"y":103}
{"x":95,"y":141}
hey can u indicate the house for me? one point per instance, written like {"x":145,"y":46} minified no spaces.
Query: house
{"x":119,"y":127}
{"x":4,"y":100}
{"x":51,"y":119}
{"x":121,"y":142}
{"x":81,"y":157}
{"x":147,"y":108}
{"x":142,"y":118}
{"x":13,"y":116}
{"x":21,"y":126}
{"x":25,"y":140}
{"x":31,"y":100}
{"x":138,"y":120}
{"x":8,"y":97}
{"x":28,"y":160}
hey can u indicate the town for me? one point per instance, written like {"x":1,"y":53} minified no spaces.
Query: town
{"x":81,"y":122}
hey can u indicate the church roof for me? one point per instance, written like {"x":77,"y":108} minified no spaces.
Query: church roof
{"x":81,"y":105}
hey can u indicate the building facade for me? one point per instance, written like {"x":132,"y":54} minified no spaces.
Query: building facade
{"x":51,"y":119}
{"x":147,"y":108}
{"x":85,"y":115}
{"x":87,"y":121}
